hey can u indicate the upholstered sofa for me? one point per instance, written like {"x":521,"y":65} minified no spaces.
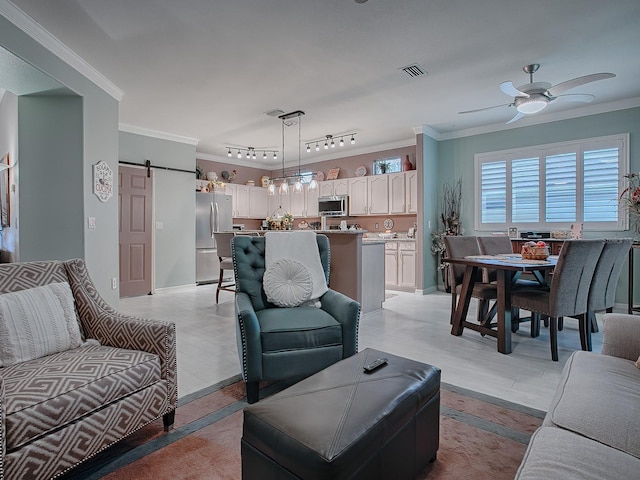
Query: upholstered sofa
{"x":59,"y":409}
{"x":592,"y":427}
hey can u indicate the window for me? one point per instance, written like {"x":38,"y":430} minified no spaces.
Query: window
{"x":387,"y":165}
{"x":550,"y":187}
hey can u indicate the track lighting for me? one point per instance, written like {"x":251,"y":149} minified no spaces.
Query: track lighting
{"x":250,"y":153}
{"x":329,"y":141}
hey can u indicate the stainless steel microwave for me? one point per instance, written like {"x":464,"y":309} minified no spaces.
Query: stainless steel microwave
{"x":336,"y":206}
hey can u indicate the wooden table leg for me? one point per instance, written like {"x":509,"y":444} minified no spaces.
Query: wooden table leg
{"x":504,"y":310}
{"x":463,"y":301}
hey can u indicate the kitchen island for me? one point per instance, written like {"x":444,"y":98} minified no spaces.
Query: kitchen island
{"x":356,"y":267}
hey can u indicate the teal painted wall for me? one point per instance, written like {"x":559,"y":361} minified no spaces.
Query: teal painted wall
{"x":95,"y":138}
{"x":173,"y":205}
{"x":50,"y":196}
{"x":430,"y":192}
{"x":455,"y":158}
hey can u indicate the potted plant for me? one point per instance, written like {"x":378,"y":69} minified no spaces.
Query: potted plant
{"x":451,"y":225}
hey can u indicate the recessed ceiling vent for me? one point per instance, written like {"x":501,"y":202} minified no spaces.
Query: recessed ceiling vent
{"x":275,"y":113}
{"x":414,"y":70}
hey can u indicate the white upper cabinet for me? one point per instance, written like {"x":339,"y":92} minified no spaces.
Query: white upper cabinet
{"x":411,"y":192}
{"x":397,"y":203}
{"x":258,"y":202}
{"x":378,"y":193}
{"x":369,"y":195}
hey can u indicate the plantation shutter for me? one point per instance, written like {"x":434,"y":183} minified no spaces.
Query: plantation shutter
{"x":493,"y":179}
{"x":525,"y":190}
{"x":601,"y":176}
{"x":561,"y":187}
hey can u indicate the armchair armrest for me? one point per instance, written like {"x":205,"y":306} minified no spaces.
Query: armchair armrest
{"x":112,"y":328}
{"x":248,"y":338}
{"x":621,"y":336}
{"x":346,"y":311}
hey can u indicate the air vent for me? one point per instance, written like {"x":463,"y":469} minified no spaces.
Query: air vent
{"x":275,"y":113}
{"x":414,"y":70}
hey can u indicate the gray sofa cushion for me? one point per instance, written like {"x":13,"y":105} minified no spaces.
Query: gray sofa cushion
{"x":45,"y":393}
{"x":554,"y":453}
{"x":599,"y":397}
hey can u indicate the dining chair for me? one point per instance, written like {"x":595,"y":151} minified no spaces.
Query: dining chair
{"x":498,"y":245}
{"x":602,"y":292}
{"x":459,"y":247}
{"x":223,"y":246}
{"x":569,"y":292}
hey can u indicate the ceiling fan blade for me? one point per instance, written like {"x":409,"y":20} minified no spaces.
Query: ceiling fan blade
{"x":576,"y":82}
{"x":487,"y":108}
{"x":575,"y":97}
{"x":517,"y":117}
{"x":509,"y":89}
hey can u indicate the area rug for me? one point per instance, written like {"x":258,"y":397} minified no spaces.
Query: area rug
{"x":481,"y":437}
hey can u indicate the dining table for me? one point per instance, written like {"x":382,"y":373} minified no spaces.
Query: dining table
{"x":508,"y":268}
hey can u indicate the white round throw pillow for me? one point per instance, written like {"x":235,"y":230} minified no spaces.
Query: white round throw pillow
{"x":287,"y":283}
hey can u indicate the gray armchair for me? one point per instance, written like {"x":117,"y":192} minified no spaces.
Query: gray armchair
{"x":277,"y":343}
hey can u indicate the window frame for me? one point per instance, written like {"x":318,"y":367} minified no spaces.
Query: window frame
{"x":621,"y":141}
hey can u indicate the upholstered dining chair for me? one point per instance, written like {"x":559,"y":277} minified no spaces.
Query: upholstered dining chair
{"x":569,"y":290}
{"x":461,"y":246}
{"x":223,"y":246}
{"x":276,"y":343}
{"x":602,"y":292}
{"x":497,"y":245}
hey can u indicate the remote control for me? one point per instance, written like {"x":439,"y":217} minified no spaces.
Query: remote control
{"x":375,"y":365}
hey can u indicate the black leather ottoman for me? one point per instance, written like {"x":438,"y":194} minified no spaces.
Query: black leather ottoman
{"x":342,"y":423}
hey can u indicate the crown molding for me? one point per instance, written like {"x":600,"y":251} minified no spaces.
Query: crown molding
{"x":147,"y":132}
{"x":427,"y":130}
{"x":36,"y":31}
{"x":541,"y":119}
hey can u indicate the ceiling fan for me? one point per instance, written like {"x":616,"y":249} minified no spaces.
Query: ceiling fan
{"x":535,"y":96}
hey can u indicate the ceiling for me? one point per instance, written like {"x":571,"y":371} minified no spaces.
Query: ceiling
{"x":210,"y":70}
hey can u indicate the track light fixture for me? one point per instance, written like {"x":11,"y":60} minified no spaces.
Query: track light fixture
{"x":250,"y":152}
{"x":329,"y":141}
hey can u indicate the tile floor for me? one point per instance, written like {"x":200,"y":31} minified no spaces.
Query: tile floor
{"x":414,"y":326}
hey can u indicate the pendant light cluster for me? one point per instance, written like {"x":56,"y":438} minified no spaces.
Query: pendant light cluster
{"x":329,"y":141}
{"x":281,"y":184}
{"x":250,"y":153}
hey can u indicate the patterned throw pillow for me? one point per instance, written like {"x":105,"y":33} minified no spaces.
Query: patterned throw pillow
{"x":287,"y":283}
{"x":37,"y":322}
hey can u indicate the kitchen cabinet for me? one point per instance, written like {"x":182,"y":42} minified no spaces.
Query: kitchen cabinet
{"x":403,"y":192}
{"x":411,"y":193}
{"x":407,"y":264}
{"x":300,"y":203}
{"x":297,"y":200}
{"x":240,"y":200}
{"x":311,"y":201}
{"x":358,"y":198}
{"x":391,"y":264}
{"x":258,"y":202}
{"x":369,"y":195}
{"x":400,"y":265}
{"x":329,"y":188}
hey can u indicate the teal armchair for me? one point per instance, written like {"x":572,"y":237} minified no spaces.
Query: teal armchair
{"x":276,"y":343}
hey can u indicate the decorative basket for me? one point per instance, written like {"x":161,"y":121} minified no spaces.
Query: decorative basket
{"x":535,"y":253}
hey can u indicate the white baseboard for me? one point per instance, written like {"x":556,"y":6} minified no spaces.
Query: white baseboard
{"x":176,"y":288}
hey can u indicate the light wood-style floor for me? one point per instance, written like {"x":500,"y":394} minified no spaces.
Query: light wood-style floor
{"x":409,"y":325}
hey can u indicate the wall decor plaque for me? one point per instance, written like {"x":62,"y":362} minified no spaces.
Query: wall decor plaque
{"x":102,"y":181}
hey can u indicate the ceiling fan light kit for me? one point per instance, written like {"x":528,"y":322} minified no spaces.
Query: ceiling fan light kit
{"x":533,"y":97}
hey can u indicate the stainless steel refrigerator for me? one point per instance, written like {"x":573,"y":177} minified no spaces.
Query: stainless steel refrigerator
{"x":213,"y":214}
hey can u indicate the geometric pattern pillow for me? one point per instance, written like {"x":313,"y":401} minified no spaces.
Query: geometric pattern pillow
{"x":37,"y":322}
{"x":287,"y":283}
